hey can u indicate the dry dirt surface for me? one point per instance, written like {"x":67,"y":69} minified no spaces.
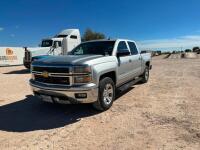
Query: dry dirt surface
{"x":163,"y":114}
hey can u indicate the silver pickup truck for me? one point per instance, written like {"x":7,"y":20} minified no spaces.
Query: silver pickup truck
{"x":90,"y":73}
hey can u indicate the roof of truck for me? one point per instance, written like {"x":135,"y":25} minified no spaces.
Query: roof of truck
{"x":109,"y":40}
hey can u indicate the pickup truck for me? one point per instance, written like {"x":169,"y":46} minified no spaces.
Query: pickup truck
{"x":91,"y":73}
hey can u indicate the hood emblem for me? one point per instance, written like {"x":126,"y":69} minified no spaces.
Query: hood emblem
{"x":45,"y":74}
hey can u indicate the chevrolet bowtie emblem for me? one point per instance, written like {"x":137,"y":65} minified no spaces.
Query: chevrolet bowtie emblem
{"x":45,"y":74}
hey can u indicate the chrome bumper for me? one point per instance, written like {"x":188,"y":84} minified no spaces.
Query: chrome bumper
{"x":65,"y":94}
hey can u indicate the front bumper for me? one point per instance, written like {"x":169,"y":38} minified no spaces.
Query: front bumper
{"x":65,"y":94}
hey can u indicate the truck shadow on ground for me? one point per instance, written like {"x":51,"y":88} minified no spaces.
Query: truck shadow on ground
{"x":23,"y":71}
{"x":121,"y":93}
{"x":32,"y":114}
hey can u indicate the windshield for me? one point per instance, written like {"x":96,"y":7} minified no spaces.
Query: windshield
{"x":94,"y":48}
{"x":47,"y":43}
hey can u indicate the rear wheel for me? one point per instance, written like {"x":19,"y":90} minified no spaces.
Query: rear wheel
{"x":145,"y":75}
{"x":106,"y":94}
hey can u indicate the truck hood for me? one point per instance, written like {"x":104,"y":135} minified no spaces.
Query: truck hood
{"x":66,"y":60}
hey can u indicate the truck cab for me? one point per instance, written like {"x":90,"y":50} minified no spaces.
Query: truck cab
{"x":70,"y":38}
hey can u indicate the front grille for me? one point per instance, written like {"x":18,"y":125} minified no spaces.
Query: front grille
{"x":27,"y":55}
{"x":52,"y":80}
{"x":50,"y":69}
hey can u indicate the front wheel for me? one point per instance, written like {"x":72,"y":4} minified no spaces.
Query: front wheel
{"x":106,"y":94}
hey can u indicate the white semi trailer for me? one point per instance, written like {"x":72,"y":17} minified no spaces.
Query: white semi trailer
{"x":62,"y":43}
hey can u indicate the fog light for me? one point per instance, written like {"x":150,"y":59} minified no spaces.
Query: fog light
{"x":81,"y":95}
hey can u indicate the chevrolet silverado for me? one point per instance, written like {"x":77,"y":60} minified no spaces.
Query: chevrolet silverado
{"x":90,"y":73}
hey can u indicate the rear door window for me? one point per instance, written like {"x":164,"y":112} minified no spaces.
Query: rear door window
{"x":133,"y":48}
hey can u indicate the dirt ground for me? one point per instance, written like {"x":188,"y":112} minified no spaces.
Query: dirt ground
{"x":160,"y":115}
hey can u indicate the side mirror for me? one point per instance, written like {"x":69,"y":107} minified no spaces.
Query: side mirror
{"x":123,"y":53}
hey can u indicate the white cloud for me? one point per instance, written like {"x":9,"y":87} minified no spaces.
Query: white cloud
{"x":12,"y":35}
{"x":188,"y":41}
{"x":1,"y":29}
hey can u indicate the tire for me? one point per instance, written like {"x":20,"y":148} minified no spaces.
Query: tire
{"x":145,"y":75}
{"x":106,"y":94}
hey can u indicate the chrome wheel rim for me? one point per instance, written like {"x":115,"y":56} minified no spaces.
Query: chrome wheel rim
{"x":108,"y":94}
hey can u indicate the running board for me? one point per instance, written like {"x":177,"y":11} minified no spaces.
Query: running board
{"x":129,"y":84}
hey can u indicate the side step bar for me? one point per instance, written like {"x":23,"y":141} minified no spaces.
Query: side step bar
{"x":129,"y":84}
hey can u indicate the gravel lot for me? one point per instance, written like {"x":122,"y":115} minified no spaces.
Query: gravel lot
{"x":162,"y":114}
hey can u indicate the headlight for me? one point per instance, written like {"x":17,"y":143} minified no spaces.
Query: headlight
{"x":82,"y":69}
{"x":82,"y":79}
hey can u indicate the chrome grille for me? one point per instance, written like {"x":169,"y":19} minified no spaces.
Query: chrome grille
{"x":52,"y":79}
{"x":51,"y":69}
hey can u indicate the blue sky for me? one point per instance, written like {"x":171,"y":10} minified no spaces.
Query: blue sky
{"x":157,"y":24}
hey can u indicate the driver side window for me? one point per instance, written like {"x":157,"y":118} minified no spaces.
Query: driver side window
{"x":122,"y":46}
{"x":59,"y":43}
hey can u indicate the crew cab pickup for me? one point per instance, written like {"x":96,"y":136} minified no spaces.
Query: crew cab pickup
{"x":90,"y":73}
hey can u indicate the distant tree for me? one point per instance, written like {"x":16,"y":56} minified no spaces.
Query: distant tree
{"x":174,"y":52}
{"x":91,"y":35}
{"x":159,"y":52}
{"x":195,"y":49}
{"x":188,"y":50}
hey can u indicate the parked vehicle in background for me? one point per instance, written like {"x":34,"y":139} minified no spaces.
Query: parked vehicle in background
{"x":90,"y":73}
{"x":53,"y":46}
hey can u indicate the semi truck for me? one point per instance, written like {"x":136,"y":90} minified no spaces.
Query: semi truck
{"x":70,"y":38}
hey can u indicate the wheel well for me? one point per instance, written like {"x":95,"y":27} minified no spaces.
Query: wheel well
{"x":147,"y":63}
{"x":111,"y":74}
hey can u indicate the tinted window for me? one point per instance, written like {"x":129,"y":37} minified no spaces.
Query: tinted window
{"x":73,"y":37}
{"x":94,"y":48}
{"x":61,"y":36}
{"x":122,"y":46}
{"x":47,"y":43}
{"x":59,"y":43}
{"x":133,"y":48}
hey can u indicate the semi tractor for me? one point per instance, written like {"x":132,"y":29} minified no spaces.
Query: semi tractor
{"x":68,"y":38}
